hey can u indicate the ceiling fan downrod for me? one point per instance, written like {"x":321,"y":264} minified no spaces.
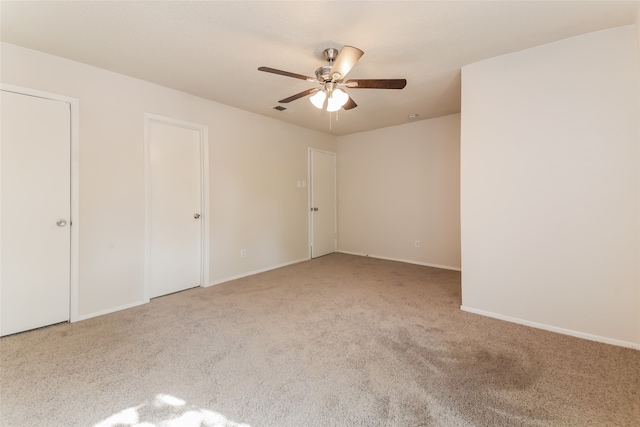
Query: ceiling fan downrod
{"x":323,"y":74}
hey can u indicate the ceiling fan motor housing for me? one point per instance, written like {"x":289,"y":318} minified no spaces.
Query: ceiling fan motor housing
{"x":324,"y":73}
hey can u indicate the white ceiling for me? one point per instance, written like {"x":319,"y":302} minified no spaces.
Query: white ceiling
{"x":213,"y":48}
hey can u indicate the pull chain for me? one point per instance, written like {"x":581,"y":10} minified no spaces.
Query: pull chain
{"x":330,"y":117}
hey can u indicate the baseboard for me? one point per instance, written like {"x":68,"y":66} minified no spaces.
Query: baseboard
{"x":570,"y":332}
{"x":228,"y":279}
{"x":251,"y":273}
{"x":425,"y":264}
{"x":108,"y":311}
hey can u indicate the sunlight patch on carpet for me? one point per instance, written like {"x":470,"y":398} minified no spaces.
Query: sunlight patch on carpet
{"x":167,"y":411}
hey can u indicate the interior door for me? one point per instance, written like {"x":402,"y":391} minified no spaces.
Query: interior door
{"x":175,"y":208}
{"x":323,"y":203}
{"x":35,"y":248}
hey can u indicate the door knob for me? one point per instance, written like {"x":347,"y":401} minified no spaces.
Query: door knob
{"x":314,"y":209}
{"x":61,"y":223}
{"x":196,"y":216}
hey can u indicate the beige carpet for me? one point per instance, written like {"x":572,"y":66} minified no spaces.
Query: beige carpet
{"x":337,"y":341}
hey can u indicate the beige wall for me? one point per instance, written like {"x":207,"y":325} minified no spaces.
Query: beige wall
{"x":638,"y":47}
{"x":401,"y":184}
{"x":550,"y":187}
{"x":255,"y":163}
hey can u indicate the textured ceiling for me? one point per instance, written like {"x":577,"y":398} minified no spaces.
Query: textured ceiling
{"x":212,"y":49}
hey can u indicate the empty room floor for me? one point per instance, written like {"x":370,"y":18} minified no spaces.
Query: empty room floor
{"x":340,"y":340}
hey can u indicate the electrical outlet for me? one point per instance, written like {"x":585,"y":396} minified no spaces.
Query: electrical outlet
{"x":243,"y":253}
{"x":417,"y":243}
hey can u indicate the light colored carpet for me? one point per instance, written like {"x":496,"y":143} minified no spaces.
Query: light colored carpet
{"x":336,"y":341}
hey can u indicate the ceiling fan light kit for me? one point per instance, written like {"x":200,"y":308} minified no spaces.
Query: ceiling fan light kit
{"x":330,"y":77}
{"x":318,"y":99}
{"x":337,"y":98}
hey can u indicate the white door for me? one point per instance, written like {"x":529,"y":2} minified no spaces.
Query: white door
{"x":35,"y":212}
{"x":175,"y":208}
{"x":323,"y":203}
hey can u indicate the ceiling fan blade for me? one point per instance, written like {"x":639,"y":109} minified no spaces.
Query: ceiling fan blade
{"x":350,"y":104}
{"x":299,"y":95}
{"x":286,"y":74}
{"x":376,"y":83}
{"x":345,"y":61}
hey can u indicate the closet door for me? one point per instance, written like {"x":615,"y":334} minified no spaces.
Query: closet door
{"x":175,"y":217}
{"x":323,"y":203}
{"x":35,"y":212}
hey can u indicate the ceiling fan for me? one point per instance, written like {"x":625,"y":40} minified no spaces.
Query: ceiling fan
{"x":331,"y":80}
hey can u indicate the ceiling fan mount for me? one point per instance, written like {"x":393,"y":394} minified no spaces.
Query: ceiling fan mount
{"x":330,"y":54}
{"x":323,"y":74}
{"x":330,"y":78}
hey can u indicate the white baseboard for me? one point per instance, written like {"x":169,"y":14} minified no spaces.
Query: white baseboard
{"x":135,"y":304}
{"x":577,"y":334}
{"x":408,"y":261}
{"x":109,"y":310}
{"x":251,"y":273}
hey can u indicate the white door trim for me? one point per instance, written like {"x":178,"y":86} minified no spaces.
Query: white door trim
{"x":204,"y":180}
{"x":335,"y":199}
{"x":74,"y":105}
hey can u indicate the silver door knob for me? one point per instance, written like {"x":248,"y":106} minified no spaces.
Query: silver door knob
{"x":196,"y":216}
{"x":61,"y":223}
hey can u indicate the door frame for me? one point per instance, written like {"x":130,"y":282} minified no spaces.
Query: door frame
{"x":74,"y":222}
{"x":204,"y":195}
{"x":335,"y":197}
